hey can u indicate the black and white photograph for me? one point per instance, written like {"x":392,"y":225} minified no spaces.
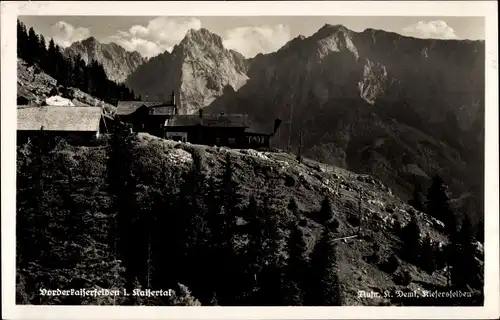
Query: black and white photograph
{"x":254,"y":160}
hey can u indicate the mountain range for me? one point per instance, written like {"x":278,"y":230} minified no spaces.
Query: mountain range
{"x":117,"y":62}
{"x":402,"y":109}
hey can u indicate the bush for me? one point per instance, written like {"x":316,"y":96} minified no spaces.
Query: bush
{"x":354,"y":220}
{"x":375,"y":256}
{"x":390,"y":208}
{"x":410,"y":235}
{"x":402,"y":278}
{"x":333,"y":225}
{"x":303,"y":222}
{"x":290,"y":181}
{"x":428,"y":253}
{"x":391,"y":264}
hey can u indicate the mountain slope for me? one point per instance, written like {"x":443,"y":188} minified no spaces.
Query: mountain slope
{"x":258,"y":175}
{"x":117,"y":62}
{"x":199,"y":69}
{"x":400,"y":108}
{"x":36,"y":86}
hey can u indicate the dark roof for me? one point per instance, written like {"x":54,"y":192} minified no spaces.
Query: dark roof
{"x":236,"y":120}
{"x":55,"y":118}
{"x":128,"y":107}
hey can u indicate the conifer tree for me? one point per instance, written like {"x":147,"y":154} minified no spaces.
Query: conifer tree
{"x":438,"y":204}
{"x":222,"y":201}
{"x":411,"y":239}
{"x":465,"y":269}
{"x":428,"y":255}
{"x":32,"y":47}
{"x":417,"y":200}
{"x":324,"y":285}
{"x":51,"y":58}
{"x":293,"y":207}
{"x":296,"y":267}
{"x":325,"y":213}
{"x":42,"y":52}
{"x":22,"y":40}
{"x":266,"y":242}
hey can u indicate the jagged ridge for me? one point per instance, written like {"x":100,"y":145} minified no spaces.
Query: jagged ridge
{"x":117,"y":62}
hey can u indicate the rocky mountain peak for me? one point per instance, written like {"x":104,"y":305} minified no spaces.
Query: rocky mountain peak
{"x":292,"y":42}
{"x":334,"y":38}
{"x":200,"y":69}
{"x":90,"y":41}
{"x":117,"y":62}
{"x":202,"y":37}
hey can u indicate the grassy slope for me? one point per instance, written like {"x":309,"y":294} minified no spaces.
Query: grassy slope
{"x":311,"y":182}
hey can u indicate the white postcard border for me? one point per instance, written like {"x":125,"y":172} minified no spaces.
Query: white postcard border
{"x":9,"y":13}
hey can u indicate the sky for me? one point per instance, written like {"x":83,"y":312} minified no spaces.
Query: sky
{"x":248,"y":35}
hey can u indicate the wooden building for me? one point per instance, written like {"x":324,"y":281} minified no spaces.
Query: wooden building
{"x":146,"y":116}
{"x":80,"y":125}
{"x":161,"y":118}
{"x":216,"y":129}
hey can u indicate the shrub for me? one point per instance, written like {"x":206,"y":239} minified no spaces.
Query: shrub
{"x":402,"y":278}
{"x":290,"y":181}
{"x":325,"y":213}
{"x":303,"y":222}
{"x":333,"y":225}
{"x":375,"y":256}
{"x":391,"y":264}
{"x":354,"y":220}
{"x":428,"y":255}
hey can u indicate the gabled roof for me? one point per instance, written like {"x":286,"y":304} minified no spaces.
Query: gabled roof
{"x":129,"y":107}
{"x":55,"y":118}
{"x":235,"y":121}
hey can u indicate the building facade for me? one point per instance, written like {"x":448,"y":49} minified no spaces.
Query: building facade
{"x":216,"y":129}
{"x":146,"y":116}
{"x":80,"y":125}
{"x":161,"y":119}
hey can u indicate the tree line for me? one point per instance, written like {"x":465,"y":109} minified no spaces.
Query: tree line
{"x":69,"y":71}
{"x":195,"y":234}
{"x":123,"y":217}
{"x":460,"y":259}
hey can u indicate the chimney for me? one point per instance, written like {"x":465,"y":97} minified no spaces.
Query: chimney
{"x":173,"y":98}
{"x":200,"y":111}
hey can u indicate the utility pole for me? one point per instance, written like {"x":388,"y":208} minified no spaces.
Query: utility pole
{"x":299,"y":150}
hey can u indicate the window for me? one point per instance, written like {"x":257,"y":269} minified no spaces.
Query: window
{"x":231,"y":140}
